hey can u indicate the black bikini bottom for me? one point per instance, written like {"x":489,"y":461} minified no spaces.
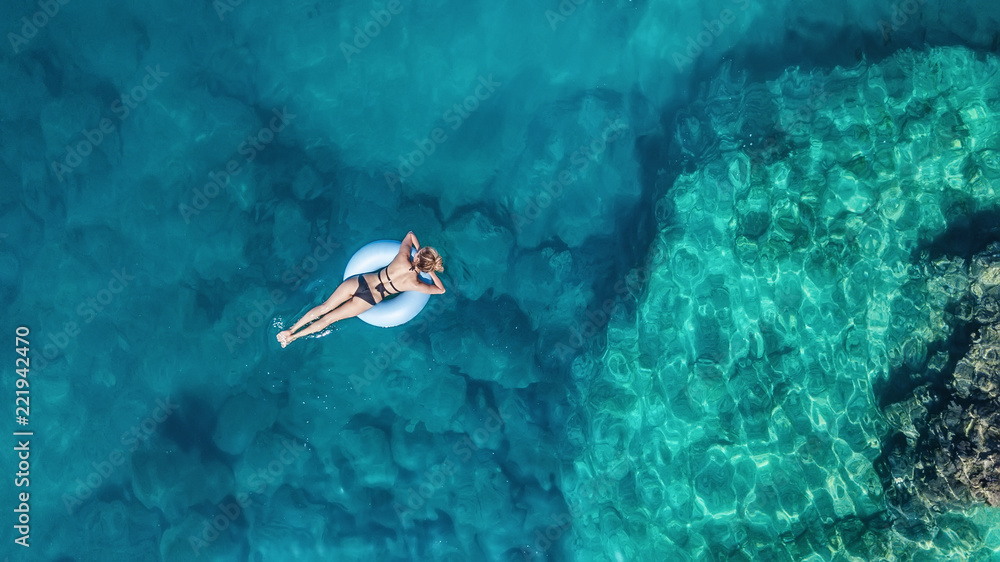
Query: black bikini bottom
{"x":363,"y":292}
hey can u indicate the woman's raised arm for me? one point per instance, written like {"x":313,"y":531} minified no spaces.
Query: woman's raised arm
{"x":410,"y":241}
{"x":437,"y":281}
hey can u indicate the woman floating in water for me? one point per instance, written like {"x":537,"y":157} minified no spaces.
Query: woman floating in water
{"x":400,"y":275}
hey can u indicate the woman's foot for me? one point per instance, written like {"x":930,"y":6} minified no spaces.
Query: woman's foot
{"x":285,"y":337}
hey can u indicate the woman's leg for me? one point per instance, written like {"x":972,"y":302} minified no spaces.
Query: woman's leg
{"x":349,"y":309}
{"x":342,"y":294}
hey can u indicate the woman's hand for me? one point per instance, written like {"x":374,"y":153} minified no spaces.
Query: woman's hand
{"x":413,"y":239}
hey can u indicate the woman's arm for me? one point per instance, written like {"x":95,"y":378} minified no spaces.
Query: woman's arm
{"x":436,"y":289}
{"x":410,"y":241}
{"x":437,"y":281}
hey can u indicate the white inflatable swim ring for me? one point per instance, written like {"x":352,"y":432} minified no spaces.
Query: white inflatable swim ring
{"x":396,"y":310}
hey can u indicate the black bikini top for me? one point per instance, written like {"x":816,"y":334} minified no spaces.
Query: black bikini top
{"x":381,"y":284}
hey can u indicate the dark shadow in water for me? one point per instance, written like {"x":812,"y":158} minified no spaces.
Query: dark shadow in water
{"x":822,"y":46}
{"x":903,"y":380}
{"x":966,"y":236}
{"x":636,"y":227}
{"x":191,"y":427}
{"x":814,"y":50}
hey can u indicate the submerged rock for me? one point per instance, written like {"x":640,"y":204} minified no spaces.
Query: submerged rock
{"x":952,"y":429}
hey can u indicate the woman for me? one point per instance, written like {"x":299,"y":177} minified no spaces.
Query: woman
{"x":361,"y":292}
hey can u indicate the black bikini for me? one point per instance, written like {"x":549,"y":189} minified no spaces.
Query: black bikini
{"x":381,"y":284}
{"x":365,"y":292}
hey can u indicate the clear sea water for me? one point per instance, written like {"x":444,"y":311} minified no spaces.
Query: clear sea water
{"x":683,"y":245}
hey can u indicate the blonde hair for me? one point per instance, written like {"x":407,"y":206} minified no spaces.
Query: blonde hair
{"x":427,"y":260}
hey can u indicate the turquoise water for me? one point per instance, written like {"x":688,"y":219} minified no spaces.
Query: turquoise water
{"x":702,"y":261}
